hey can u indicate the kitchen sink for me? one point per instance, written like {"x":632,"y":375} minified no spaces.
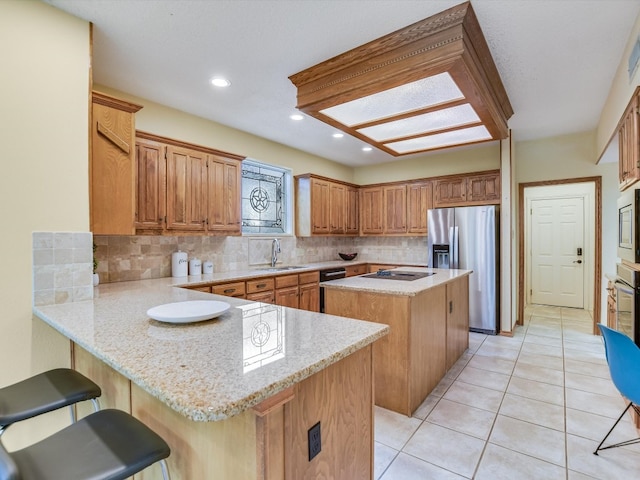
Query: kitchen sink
{"x":279,"y":269}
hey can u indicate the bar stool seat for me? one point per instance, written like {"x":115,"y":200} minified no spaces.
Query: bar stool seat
{"x":44,"y":393}
{"x":109,"y":444}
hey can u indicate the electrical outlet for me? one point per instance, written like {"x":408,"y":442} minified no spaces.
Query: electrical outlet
{"x":315,"y":441}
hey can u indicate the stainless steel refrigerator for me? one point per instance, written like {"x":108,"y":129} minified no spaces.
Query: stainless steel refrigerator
{"x":468,"y":238}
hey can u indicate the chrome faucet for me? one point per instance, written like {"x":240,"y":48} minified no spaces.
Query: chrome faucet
{"x":275,"y":250}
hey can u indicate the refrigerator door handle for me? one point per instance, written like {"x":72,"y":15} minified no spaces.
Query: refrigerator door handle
{"x":453,"y":235}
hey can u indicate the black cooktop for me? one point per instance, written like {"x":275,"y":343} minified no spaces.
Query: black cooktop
{"x":398,"y":275}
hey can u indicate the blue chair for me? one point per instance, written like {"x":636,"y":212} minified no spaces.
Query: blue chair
{"x":623,"y":357}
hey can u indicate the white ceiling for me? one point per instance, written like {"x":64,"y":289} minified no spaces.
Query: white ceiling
{"x":556,"y":58}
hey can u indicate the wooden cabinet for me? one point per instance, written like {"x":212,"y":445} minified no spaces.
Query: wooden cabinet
{"x":337,"y":208}
{"x":151,"y":186}
{"x":374,"y":267}
{"x":287,"y":297}
{"x":183,"y":188}
{"x":371,"y":211}
{"x":395,"y":209}
{"x":325,"y":207}
{"x":186,"y":189}
{"x":629,"y":143}
{"x":465,"y":190}
{"x":353,"y":270}
{"x":419,"y":200}
{"x":483,"y":189}
{"x":112,"y":169}
{"x":309,"y":289}
{"x":223,"y":195}
{"x":236,"y":289}
{"x":261,"y":290}
{"x":457,"y":320}
{"x":352,"y":211}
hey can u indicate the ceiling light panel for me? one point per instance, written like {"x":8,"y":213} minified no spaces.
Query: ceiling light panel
{"x":405,"y":98}
{"x":425,"y":123}
{"x":441,"y":140}
{"x":434,"y":78}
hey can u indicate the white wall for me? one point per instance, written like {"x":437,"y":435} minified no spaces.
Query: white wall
{"x":44,"y":86}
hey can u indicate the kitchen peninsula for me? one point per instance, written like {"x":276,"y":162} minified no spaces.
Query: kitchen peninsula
{"x":428,"y":312}
{"x":234,"y":396}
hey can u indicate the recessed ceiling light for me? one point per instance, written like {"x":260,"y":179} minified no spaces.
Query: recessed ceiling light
{"x":220,"y":82}
{"x":296,"y":116}
{"x":366,"y":149}
{"x":338,"y":135}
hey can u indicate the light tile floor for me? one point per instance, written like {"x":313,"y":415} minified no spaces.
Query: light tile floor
{"x":531,"y":406}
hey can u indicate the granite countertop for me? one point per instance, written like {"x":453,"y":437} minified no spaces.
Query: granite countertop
{"x":398,"y":287}
{"x":210,"y":370}
{"x":265,"y":271}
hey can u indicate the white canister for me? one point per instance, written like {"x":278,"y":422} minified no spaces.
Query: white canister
{"x":195,"y":266}
{"x":207,"y":267}
{"x":179,"y":264}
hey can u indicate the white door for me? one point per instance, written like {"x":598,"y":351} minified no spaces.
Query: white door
{"x":557,"y":235}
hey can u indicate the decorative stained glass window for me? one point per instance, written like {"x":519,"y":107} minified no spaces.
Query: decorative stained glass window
{"x":265,"y":198}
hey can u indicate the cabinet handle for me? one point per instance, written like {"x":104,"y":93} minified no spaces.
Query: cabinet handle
{"x":450,"y":307}
{"x":230,"y":290}
{"x":261,"y":285}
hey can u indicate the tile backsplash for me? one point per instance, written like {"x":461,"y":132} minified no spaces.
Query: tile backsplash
{"x":122,"y":258}
{"x":62,"y":267}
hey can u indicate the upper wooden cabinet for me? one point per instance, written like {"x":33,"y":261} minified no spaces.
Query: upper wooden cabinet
{"x":112,"y":169}
{"x":185,"y":188}
{"x":419,"y":200}
{"x":395,"y":209}
{"x":629,"y":143}
{"x":463,"y":190}
{"x":371,"y":211}
{"x":325,"y":207}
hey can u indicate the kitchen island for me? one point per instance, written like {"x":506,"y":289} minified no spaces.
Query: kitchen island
{"x":428,"y":312}
{"x":234,"y":396}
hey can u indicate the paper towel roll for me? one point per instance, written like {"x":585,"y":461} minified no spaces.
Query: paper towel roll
{"x":179,"y":264}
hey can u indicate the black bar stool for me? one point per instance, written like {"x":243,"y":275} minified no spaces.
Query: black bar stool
{"x":44,"y":393}
{"x":106,"y":445}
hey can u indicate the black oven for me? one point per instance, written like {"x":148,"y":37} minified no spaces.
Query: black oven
{"x":628,"y":223}
{"x":627,"y":287}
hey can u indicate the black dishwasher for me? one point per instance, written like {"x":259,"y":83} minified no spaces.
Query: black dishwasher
{"x":325,"y":276}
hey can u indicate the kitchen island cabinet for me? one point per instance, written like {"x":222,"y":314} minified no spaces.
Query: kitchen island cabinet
{"x":429,"y":320}
{"x":228,"y":407}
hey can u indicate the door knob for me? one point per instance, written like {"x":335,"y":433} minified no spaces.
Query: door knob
{"x":577,"y":261}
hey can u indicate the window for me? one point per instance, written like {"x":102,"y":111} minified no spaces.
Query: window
{"x":266,"y":199}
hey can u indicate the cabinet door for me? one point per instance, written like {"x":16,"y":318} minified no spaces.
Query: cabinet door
{"x":151,"y":201}
{"x":352,"y":226}
{"x":319,"y":206}
{"x":483,"y":189}
{"x":112,"y":180}
{"x":449,"y":192}
{"x":337,"y":208}
{"x":287,"y":297}
{"x":223,"y":195}
{"x":629,"y":145}
{"x":186,"y":189}
{"x":420,"y":199}
{"x":309,"y":297}
{"x":371,"y":211}
{"x":395,"y":209}
{"x":457,"y":319}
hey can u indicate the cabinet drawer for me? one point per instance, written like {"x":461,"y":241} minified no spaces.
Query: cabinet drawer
{"x":373,"y":268}
{"x":356,"y":270}
{"x":283,"y":281}
{"x":206,"y":289}
{"x":260,"y":285}
{"x":309,"y":277}
{"x":229,"y":289}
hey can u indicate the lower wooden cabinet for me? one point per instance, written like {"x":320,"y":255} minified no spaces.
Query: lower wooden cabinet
{"x":236,"y":289}
{"x":457,"y":320}
{"x":353,"y":270}
{"x":287,"y":297}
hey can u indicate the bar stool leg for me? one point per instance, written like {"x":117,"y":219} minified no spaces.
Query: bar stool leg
{"x":72,"y":411}
{"x":165,"y":470}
